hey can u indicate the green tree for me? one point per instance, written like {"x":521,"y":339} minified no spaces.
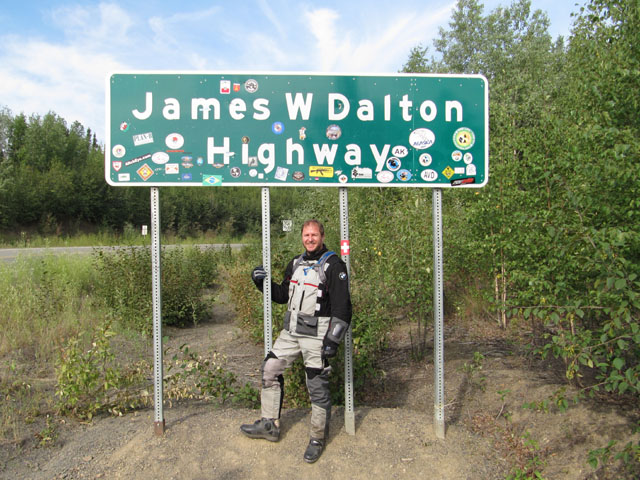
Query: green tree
{"x":461,"y":45}
{"x":17,"y":133}
{"x":418,"y":61}
{"x":555,"y":227}
{"x":512,"y":48}
{"x":6,"y":122}
{"x":600,"y":128}
{"x":5,"y":128}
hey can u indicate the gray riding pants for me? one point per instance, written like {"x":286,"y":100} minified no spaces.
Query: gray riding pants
{"x":286,"y":349}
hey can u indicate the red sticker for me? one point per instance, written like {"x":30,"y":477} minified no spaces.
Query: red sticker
{"x":344,"y":247}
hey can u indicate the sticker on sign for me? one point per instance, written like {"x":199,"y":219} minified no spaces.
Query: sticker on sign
{"x":421,"y":138}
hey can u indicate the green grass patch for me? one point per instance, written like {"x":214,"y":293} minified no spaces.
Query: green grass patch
{"x":129,"y":236}
{"x":76,"y":335}
{"x":44,"y":300}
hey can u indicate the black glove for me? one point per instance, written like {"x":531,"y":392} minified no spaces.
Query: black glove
{"x":258,"y":275}
{"x":329,"y":348}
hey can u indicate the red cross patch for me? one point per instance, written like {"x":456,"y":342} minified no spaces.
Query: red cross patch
{"x":344,"y":247}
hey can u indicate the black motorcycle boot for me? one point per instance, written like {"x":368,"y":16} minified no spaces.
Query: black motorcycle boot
{"x":314,"y":450}
{"x":266,"y":428}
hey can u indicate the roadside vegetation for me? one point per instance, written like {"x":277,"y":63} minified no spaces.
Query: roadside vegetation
{"x":547,"y":254}
{"x":129,"y":236}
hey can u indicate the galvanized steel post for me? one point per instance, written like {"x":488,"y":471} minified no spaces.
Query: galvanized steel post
{"x":266,"y":263}
{"x":156,"y":298}
{"x":349,"y":416}
{"x":438,"y":316}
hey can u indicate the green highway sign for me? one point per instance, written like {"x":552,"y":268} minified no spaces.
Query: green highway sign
{"x":293,"y":129}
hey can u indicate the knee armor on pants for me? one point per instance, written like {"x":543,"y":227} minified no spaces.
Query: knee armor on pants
{"x":272,"y":370}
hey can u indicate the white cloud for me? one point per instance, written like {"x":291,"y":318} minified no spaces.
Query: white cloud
{"x":322,"y":24}
{"x":80,"y":26}
{"x":178,"y":30}
{"x":68,"y":75}
{"x":266,"y":53}
{"x":377,"y":45}
{"x":268,"y":12}
{"x":37,"y":77}
{"x":197,"y":61}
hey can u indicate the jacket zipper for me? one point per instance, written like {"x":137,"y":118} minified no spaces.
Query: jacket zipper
{"x":301,"y":299}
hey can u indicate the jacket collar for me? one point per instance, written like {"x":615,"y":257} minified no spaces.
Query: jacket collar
{"x":315,"y":255}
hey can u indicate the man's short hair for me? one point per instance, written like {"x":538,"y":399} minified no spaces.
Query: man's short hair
{"x":313,"y":221}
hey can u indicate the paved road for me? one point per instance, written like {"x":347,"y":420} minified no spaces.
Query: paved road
{"x":10,"y":254}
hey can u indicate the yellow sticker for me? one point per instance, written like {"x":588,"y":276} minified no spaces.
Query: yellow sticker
{"x":145,"y":172}
{"x":464,"y":138}
{"x":448,"y":172}
{"x":325,"y":172}
{"x":212,"y":180}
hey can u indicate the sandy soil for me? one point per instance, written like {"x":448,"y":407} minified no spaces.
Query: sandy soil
{"x":488,"y":432}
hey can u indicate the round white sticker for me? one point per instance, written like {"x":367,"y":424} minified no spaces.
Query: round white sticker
{"x":400,"y":151}
{"x":425,"y":159}
{"x":160,"y":158}
{"x":174,"y":140}
{"x":385,"y":176}
{"x":429,"y":175}
{"x":118,"y":151}
{"x":421,"y":138}
{"x":464,"y":138}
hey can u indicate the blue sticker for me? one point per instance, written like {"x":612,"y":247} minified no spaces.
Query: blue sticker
{"x":393,"y":163}
{"x":404,"y":175}
{"x":277,"y":128}
{"x":186,"y":176}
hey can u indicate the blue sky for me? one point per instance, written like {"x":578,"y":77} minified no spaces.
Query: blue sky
{"x":56,"y":55}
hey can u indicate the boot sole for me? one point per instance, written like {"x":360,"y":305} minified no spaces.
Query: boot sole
{"x":257,"y":435}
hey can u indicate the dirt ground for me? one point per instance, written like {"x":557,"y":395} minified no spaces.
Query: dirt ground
{"x":488,"y":433}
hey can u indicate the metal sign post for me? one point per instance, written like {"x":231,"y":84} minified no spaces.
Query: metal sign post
{"x":438,"y":317}
{"x":349,"y":416}
{"x":156,"y":295}
{"x":266,"y":262}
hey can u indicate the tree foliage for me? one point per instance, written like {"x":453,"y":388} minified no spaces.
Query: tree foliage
{"x":52,"y":180}
{"x":553,"y":237}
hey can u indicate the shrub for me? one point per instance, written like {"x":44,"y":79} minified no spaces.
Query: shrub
{"x":190,"y":375}
{"x":89,"y":380}
{"x":124,"y":284}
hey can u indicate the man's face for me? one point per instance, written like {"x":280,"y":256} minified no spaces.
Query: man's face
{"x":311,"y":238}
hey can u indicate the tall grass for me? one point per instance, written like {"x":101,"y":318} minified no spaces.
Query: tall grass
{"x":56,"y":310}
{"x":43,"y":301}
{"x":129,"y":236}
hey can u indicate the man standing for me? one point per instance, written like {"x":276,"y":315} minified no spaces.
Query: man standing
{"x":316,"y":291}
